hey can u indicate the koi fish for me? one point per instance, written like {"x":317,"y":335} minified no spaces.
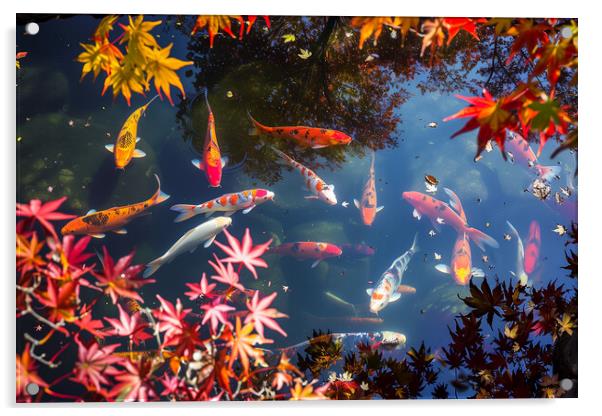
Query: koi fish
{"x":357,"y":320}
{"x":308,"y":250}
{"x":206,"y":232}
{"x":461,"y":262}
{"x":386,"y":289}
{"x":212,"y":162}
{"x":313,"y":137}
{"x":520,"y":273}
{"x":357,"y":250}
{"x":532,"y":247}
{"x":313,"y":182}
{"x":367,"y":207}
{"x":519,"y":151}
{"x":97,"y":223}
{"x":228,"y":204}
{"x":439,"y":212}
{"x":124,"y":148}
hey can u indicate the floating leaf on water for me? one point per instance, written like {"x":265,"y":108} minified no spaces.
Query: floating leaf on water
{"x":431,"y":179}
{"x":489,"y":146}
{"x":507,"y":237}
{"x":437,"y":256}
{"x":432,"y":124}
{"x":305,"y":54}
{"x":487,"y":224}
{"x":431,"y":189}
{"x":432,"y":233}
{"x":229,"y":94}
{"x":558,"y":198}
{"x":485,"y":258}
{"x":540,"y":189}
{"x":560,"y":229}
{"x":440,"y":220}
{"x":289,"y":37}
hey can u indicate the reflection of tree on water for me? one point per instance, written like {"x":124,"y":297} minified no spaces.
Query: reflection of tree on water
{"x":336,"y":87}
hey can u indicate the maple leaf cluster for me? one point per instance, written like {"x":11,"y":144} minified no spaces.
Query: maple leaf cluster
{"x":131,"y":69}
{"x":213,"y":349}
{"x":217,"y":23}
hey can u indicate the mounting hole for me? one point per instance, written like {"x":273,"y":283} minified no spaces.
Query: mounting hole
{"x":32,"y":28}
{"x":32,"y":389}
{"x":566,"y":384}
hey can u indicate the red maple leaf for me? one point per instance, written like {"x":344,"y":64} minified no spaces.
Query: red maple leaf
{"x":60,"y":299}
{"x":492,"y":117}
{"x":455,"y":24}
{"x":43,"y":213}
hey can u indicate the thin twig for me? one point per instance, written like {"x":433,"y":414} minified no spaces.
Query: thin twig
{"x":40,"y":357}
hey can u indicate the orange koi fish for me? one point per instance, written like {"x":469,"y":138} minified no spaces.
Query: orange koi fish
{"x":96,"y":224}
{"x":367,"y":207}
{"x":461,"y":262}
{"x":533,"y":247}
{"x":228,"y":204}
{"x":308,"y":250}
{"x":519,"y":151}
{"x":213,"y":162}
{"x":441,"y":213}
{"x":313,"y":137}
{"x":313,"y":182}
{"x":124,"y":148}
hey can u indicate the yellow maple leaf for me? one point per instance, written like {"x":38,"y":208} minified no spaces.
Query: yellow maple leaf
{"x":162,"y":68}
{"x":216,"y":23}
{"x":124,"y":79}
{"x":104,"y":27}
{"x":511,"y":332}
{"x":100,"y":55}
{"x":566,"y":324}
{"x":140,"y":41}
{"x":373,"y":26}
{"x":434,"y":35}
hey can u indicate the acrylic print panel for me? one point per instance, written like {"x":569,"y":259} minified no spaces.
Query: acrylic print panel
{"x":271,"y":208}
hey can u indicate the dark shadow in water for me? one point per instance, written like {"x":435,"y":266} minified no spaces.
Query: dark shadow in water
{"x":103,"y":183}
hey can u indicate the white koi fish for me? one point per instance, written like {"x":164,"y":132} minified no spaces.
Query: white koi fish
{"x":319,"y":189}
{"x":386,"y":289}
{"x":520,"y":273}
{"x":206,"y":232}
{"x":228,"y":204}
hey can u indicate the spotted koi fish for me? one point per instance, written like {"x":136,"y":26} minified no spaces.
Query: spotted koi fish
{"x":313,"y":182}
{"x":228,"y":204}
{"x":313,"y":137}
{"x":311,"y":250}
{"x":441,"y":213}
{"x":124,"y":148}
{"x":212,"y":163}
{"x":519,"y":151}
{"x":367,"y":206}
{"x":388,"y":288}
{"x":96,"y":224}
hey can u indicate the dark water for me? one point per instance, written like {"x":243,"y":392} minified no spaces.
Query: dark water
{"x":72,"y":160}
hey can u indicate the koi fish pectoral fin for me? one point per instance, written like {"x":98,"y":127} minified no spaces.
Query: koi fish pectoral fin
{"x":416,"y":214}
{"x":98,"y":235}
{"x":209,"y":242}
{"x":92,"y":211}
{"x":319,"y":146}
{"x":356,"y":203}
{"x":379,"y":209}
{"x":110,"y":147}
{"x":311,"y":197}
{"x":369,"y":292}
{"x":198,"y":164}
{"x":443,"y":268}
{"x":395,"y":296}
{"x":120,"y":231}
{"x":247,"y":210}
{"x":139,"y":153}
{"x":230,"y":213}
{"x":224,"y":161}
{"x":476,"y":272}
{"x":138,"y":139}
{"x":315,"y":263}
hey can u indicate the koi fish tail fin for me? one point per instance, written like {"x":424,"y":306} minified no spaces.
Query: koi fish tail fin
{"x":150,"y":102}
{"x":455,"y":203}
{"x":257,"y":127}
{"x":480,"y":238}
{"x":206,"y":94}
{"x":159,"y":196}
{"x":415,"y":248}
{"x":283,"y":155}
{"x":185,"y":211}
{"x":547,"y":172}
{"x":512,"y":229}
{"x":152,"y":267}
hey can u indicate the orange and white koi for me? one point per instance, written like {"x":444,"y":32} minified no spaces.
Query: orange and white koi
{"x":312,"y":250}
{"x":519,"y":151}
{"x":387,"y":288}
{"x":441,"y":213}
{"x":367,"y":206}
{"x":461,"y":262}
{"x":319,"y":189}
{"x":228,"y":204}
{"x":124,"y":148}
{"x":213,"y":162}
{"x":96,"y":224}
{"x":313,"y":137}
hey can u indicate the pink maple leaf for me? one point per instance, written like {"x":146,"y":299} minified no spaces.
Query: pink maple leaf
{"x":200,"y":290}
{"x":134,"y":381}
{"x":92,"y":363}
{"x":70,"y":253}
{"x":226,"y":274}
{"x":128,"y":326}
{"x":43,"y":213}
{"x":244,"y":253}
{"x":261,"y":315}
{"x":216,"y":312}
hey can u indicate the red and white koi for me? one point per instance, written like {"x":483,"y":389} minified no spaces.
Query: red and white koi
{"x":319,"y":189}
{"x":227,"y":204}
{"x":519,"y":151}
{"x":387,"y":288}
{"x":212,"y":162}
{"x":312,"y":250}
